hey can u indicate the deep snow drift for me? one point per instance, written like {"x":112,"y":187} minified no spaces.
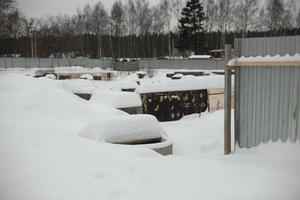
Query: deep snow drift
{"x":43,"y":157}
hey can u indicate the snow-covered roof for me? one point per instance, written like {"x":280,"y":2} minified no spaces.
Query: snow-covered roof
{"x":125,"y":129}
{"x":200,"y":57}
{"x":265,"y":60}
{"x":192,"y":83}
{"x":116,"y":99}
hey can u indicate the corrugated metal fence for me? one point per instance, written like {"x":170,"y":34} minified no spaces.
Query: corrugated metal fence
{"x":267,"y":98}
{"x":108,"y":63}
{"x":269,"y":101}
{"x":182,"y":64}
{"x":52,"y":62}
{"x":267,"y":46}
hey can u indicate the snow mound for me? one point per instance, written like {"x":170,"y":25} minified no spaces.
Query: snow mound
{"x":116,"y":99}
{"x":50,"y":76}
{"x":79,"y":86}
{"x":132,"y":129}
{"x":129,"y":82}
{"x":87,"y":77}
{"x":178,"y":76}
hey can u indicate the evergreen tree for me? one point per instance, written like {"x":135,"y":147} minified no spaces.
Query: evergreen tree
{"x":191,"y":27}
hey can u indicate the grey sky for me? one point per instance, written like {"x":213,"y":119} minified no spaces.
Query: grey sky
{"x":39,"y":8}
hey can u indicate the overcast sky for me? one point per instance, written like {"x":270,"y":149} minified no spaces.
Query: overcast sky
{"x":39,"y":8}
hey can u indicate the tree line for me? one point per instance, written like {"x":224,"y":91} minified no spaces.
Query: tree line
{"x":138,"y":29}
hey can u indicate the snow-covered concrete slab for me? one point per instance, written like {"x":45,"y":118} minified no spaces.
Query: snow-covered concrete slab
{"x":133,"y":129}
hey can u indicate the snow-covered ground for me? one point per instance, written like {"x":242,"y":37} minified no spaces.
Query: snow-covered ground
{"x":42,"y":156}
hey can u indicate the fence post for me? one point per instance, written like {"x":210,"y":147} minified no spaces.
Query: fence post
{"x":227,"y":103}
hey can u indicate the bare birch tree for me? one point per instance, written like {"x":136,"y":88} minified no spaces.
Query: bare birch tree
{"x":298,"y":18}
{"x":99,"y":23}
{"x":246,"y":12}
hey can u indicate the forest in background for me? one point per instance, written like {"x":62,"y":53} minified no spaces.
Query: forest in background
{"x":137,"y":30}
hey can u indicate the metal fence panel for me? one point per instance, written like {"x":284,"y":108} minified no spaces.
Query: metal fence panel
{"x":46,"y":62}
{"x":181,"y":64}
{"x":268,"y":105}
{"x":267,"y":46}
{"x":107,"y":63}
{"x":2,"y":62}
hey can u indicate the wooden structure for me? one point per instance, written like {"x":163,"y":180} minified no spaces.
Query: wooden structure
{"x":227,"y":103}
{"x":169,"y":106}
{"x":216,"y":99}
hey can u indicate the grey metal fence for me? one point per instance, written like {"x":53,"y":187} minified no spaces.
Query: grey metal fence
{"x":267,"y":100}
{"x":182,"y":64}
{"x":53,"y":62}
{"x":267,"y":46}
{"x":108,"y":63}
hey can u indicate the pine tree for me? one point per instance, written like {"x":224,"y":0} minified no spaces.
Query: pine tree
{"x":191,"y":27}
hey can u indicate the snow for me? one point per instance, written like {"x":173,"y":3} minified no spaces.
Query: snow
{"x":200,"y":57}
{"x":177,"y":76}
{"x":268,"y":58}
{"x":129,"y":82}
{"x":116,"y":99}
{"x":87,"y":77}
{"x":124,"y":129}
{"x":79,"y":86}
{"x":50,"y":76}
{"x":196,"y":83}
{"x":43,"y":157}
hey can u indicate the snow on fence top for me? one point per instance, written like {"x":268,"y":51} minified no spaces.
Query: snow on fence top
{"x":116,"y":99}
{"x":268,"y":60}
{"x":124,"y":130}
{"x":195,"y":83}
